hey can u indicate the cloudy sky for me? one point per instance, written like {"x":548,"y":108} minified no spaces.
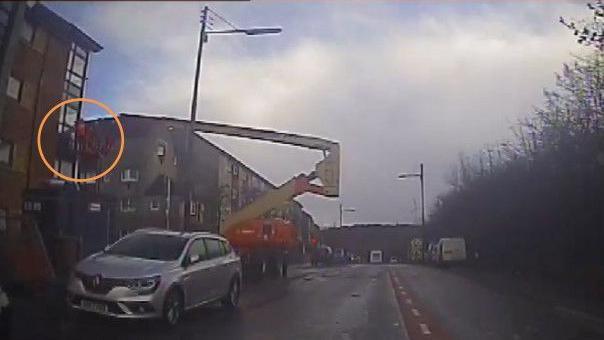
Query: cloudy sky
{"x":397,"y":83}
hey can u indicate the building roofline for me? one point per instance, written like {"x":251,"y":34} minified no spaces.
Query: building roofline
{"x":201,"y":138}
{"x":43,"y":15}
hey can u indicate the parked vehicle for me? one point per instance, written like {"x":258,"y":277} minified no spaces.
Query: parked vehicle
{"x":264,"y":245}
{"x":375,"y":256}
{"x":431,"y":255}
{"x":157,"y":274}
{"x":393,"y":259}
{"x":449,"y":250}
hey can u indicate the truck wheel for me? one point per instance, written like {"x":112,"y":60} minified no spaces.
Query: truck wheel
{"x":173,"y":307}
{"x":231,"y":300}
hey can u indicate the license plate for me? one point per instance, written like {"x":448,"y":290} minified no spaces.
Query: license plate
{"x":93,"y":306}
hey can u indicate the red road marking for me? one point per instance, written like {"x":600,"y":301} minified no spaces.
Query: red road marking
{"x":419,"y":325}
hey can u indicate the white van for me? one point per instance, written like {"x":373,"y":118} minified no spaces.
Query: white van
{"x":375,"y":256}
{"x":451,"y":250}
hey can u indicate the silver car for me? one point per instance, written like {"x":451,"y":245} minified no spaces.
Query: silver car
{"x":157,"y":274}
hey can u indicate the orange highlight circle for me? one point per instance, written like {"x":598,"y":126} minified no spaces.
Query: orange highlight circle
{"x":93,"y":178}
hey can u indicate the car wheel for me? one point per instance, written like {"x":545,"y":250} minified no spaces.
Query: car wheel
{"x":231,"y":300}
{"x":173,"y":307}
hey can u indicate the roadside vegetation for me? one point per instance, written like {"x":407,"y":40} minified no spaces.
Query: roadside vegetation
{"x":536,"y":203}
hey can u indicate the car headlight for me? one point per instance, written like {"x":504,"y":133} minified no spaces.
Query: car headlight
{"x":145,"y":285}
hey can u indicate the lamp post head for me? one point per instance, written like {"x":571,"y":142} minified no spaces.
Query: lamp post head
{"x":260,"y":31}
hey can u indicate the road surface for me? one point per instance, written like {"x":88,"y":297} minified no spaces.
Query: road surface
{"x":354,"y":302}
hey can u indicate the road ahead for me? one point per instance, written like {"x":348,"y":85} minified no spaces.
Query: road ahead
{"x":353,"y":302}
{"x":360,"y":302}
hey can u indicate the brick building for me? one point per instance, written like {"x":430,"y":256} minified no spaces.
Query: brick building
{"x":47,"y":64}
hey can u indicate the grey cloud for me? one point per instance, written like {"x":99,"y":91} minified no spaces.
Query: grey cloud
{"x":425,"y":88}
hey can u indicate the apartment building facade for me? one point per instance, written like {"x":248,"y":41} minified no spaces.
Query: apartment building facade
{"x":48,"y":64}
{"x":148,"y":184}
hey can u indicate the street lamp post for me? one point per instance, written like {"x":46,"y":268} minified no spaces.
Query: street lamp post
{"x":421,"y":179}
{"x":203,"y":38}
{"x":343,"y":210}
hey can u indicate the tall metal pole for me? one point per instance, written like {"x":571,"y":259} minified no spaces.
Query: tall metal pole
{"x":168,"y":201}
{"x":340,"y":215}
{"x":189,"y":132}
{"x":421,"y":178}
{"x":423,"y":232}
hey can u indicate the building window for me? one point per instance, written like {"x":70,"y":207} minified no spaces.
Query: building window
{"x":161,"y":149}
{"x":127,"y":205}
{"x":27,"y":32}
{"x":154,"y":205}
{"x":200,"y":212}
{"x":14,"y":87}
{"x":40,"y":40}
{"x":130,"y":175}
{"x":66,"y":168}
{"x":6,"y":153}
{"x":73,"y":87}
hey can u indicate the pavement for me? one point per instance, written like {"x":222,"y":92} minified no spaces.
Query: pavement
{"x":408,"y":302}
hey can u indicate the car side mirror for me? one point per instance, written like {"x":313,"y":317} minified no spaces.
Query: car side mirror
{"x":193,"y":258}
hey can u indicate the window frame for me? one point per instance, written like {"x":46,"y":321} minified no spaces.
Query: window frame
{"x":30,"y":37}
{"x":131,"y":207}
{"x":11,"y":153}
{"x":153,"y":207}
{"x":19,"y":88}
{"x":130,"y":177}
{"x":163,"y":146}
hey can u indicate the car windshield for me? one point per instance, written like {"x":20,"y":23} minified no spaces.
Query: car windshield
{"x":149,"y":246}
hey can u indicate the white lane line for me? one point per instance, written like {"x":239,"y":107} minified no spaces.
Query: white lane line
{"x":425,"y":329}
{"x":415,"y":311}
{"x":395,"y":305}
{"x":408,"y":301}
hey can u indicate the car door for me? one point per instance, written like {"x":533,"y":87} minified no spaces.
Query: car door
{"x":217,"y":263}
{"x":230,"y":264}
{"x":198,"y":267}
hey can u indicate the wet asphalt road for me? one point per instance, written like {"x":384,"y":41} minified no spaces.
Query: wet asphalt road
{"x":357,"y":302}
{"x":455,"y":306}
{"x":351,"y":302}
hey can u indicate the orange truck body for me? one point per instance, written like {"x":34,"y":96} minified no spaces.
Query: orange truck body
{"x":253,"y":234}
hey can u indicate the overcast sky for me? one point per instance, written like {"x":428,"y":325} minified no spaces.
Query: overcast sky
{"x":396,"y":83}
